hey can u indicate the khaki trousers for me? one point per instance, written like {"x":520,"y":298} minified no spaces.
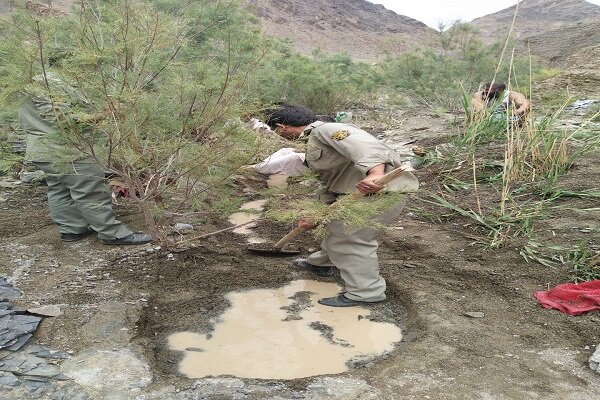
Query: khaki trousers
{"x":80,"y":199}
{"x":355,"y":255}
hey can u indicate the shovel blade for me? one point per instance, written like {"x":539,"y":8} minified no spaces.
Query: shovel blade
{"x":272,"y":251}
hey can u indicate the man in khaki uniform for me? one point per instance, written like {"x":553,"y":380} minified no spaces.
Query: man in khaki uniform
{"x":79,"y":199}
{"x":346,"y":158}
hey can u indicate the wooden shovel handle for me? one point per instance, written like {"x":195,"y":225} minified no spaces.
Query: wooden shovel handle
{"x":384,"y":180}
{"x":284,"y":240}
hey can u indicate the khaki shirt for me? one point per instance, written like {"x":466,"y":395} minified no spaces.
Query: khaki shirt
{"x":342,"y":154}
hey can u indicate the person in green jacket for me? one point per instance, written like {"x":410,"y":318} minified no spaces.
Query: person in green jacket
{"x":80,"y":201}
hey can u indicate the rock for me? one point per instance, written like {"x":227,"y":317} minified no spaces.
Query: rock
{"x":595,"y":360}
{"x":474,"y":314}
{"x":20,"y":341}
{"x":43,"y":352}
{"x":340,"y":388}
{"x":7,"y":291}
{"x":117,"y":373}
{"x":219,"y":386}
{"x":183,"y":228}
{"x":32,"y":177}
{"x":53,"y":310}
{"x":580,"y":107}
{"x":419,"y":151}
{"x":16,"y":329}
{"x":45,"y":371}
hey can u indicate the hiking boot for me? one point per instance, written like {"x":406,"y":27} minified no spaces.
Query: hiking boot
{"x":73,"y":237}
{"x":342,"y":301}
{"x":322,"y":272}
{"x":133,"y":239}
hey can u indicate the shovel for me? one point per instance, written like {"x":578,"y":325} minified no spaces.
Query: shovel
{"x":278,"y":250}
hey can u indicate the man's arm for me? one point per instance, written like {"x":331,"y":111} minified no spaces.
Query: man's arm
{"x":522,"y":104}
{"x":477,"y":103}
{"x":366,"y":186}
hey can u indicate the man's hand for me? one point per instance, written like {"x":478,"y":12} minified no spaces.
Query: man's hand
{"x":368,"y":185}
{"x":307,"y":223}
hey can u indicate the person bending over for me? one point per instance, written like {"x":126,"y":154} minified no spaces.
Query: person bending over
{"x":346,"y":158}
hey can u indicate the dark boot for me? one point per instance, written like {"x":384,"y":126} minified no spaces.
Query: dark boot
{"x":342,"y":301}
{"x":73,"y":237}
{"x":322,"y":272}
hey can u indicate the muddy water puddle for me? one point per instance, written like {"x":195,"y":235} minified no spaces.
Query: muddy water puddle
{"x":277,"y":181}
{"x":248,"y":218}
{"x":284,"y":334}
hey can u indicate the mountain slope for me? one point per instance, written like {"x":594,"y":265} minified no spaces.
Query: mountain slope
{"x":361,"y":29}
{"x":555,"y":29}
{"x":581,"y":76}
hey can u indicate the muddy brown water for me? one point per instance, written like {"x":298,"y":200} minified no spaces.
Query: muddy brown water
{"x":284,"y":334}
{"x":247,"y":217}
{"x":281,"y":333}
{"x":277,"y":181}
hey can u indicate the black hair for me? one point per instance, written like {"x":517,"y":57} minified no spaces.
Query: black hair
{"x":493,"y":89}
{"x":287,"y":114}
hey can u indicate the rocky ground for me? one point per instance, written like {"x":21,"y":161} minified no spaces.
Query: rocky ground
{"x":472,"y":329}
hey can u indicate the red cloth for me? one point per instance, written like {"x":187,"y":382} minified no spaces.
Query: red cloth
{"x":572,"y":298}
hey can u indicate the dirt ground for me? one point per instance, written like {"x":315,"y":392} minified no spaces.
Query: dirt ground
{"x":135,"y":298}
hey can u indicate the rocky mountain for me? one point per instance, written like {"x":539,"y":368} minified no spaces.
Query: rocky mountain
{"x":581,"y":76}
{"x":357,"y":27}
{"x":554,"y":29}
{"x":362,"y":29}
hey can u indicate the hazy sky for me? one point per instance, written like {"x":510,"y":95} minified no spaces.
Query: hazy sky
{"x":431,"y":12}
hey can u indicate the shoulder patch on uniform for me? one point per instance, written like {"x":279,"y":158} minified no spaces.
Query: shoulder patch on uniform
{"x":340,"y":135}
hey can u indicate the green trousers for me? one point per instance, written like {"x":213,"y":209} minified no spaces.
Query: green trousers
{"x":355,"y":255}
{"x":80,"y":200}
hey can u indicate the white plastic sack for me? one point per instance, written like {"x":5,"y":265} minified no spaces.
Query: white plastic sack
{"x":285,"y":162}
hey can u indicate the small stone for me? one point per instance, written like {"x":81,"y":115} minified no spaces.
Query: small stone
{"x":474,"y":314}
{"x":183,"y":228}
{"x":32,"y":177}
{"x":53,"y":310}
{"x":410,"y":266}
